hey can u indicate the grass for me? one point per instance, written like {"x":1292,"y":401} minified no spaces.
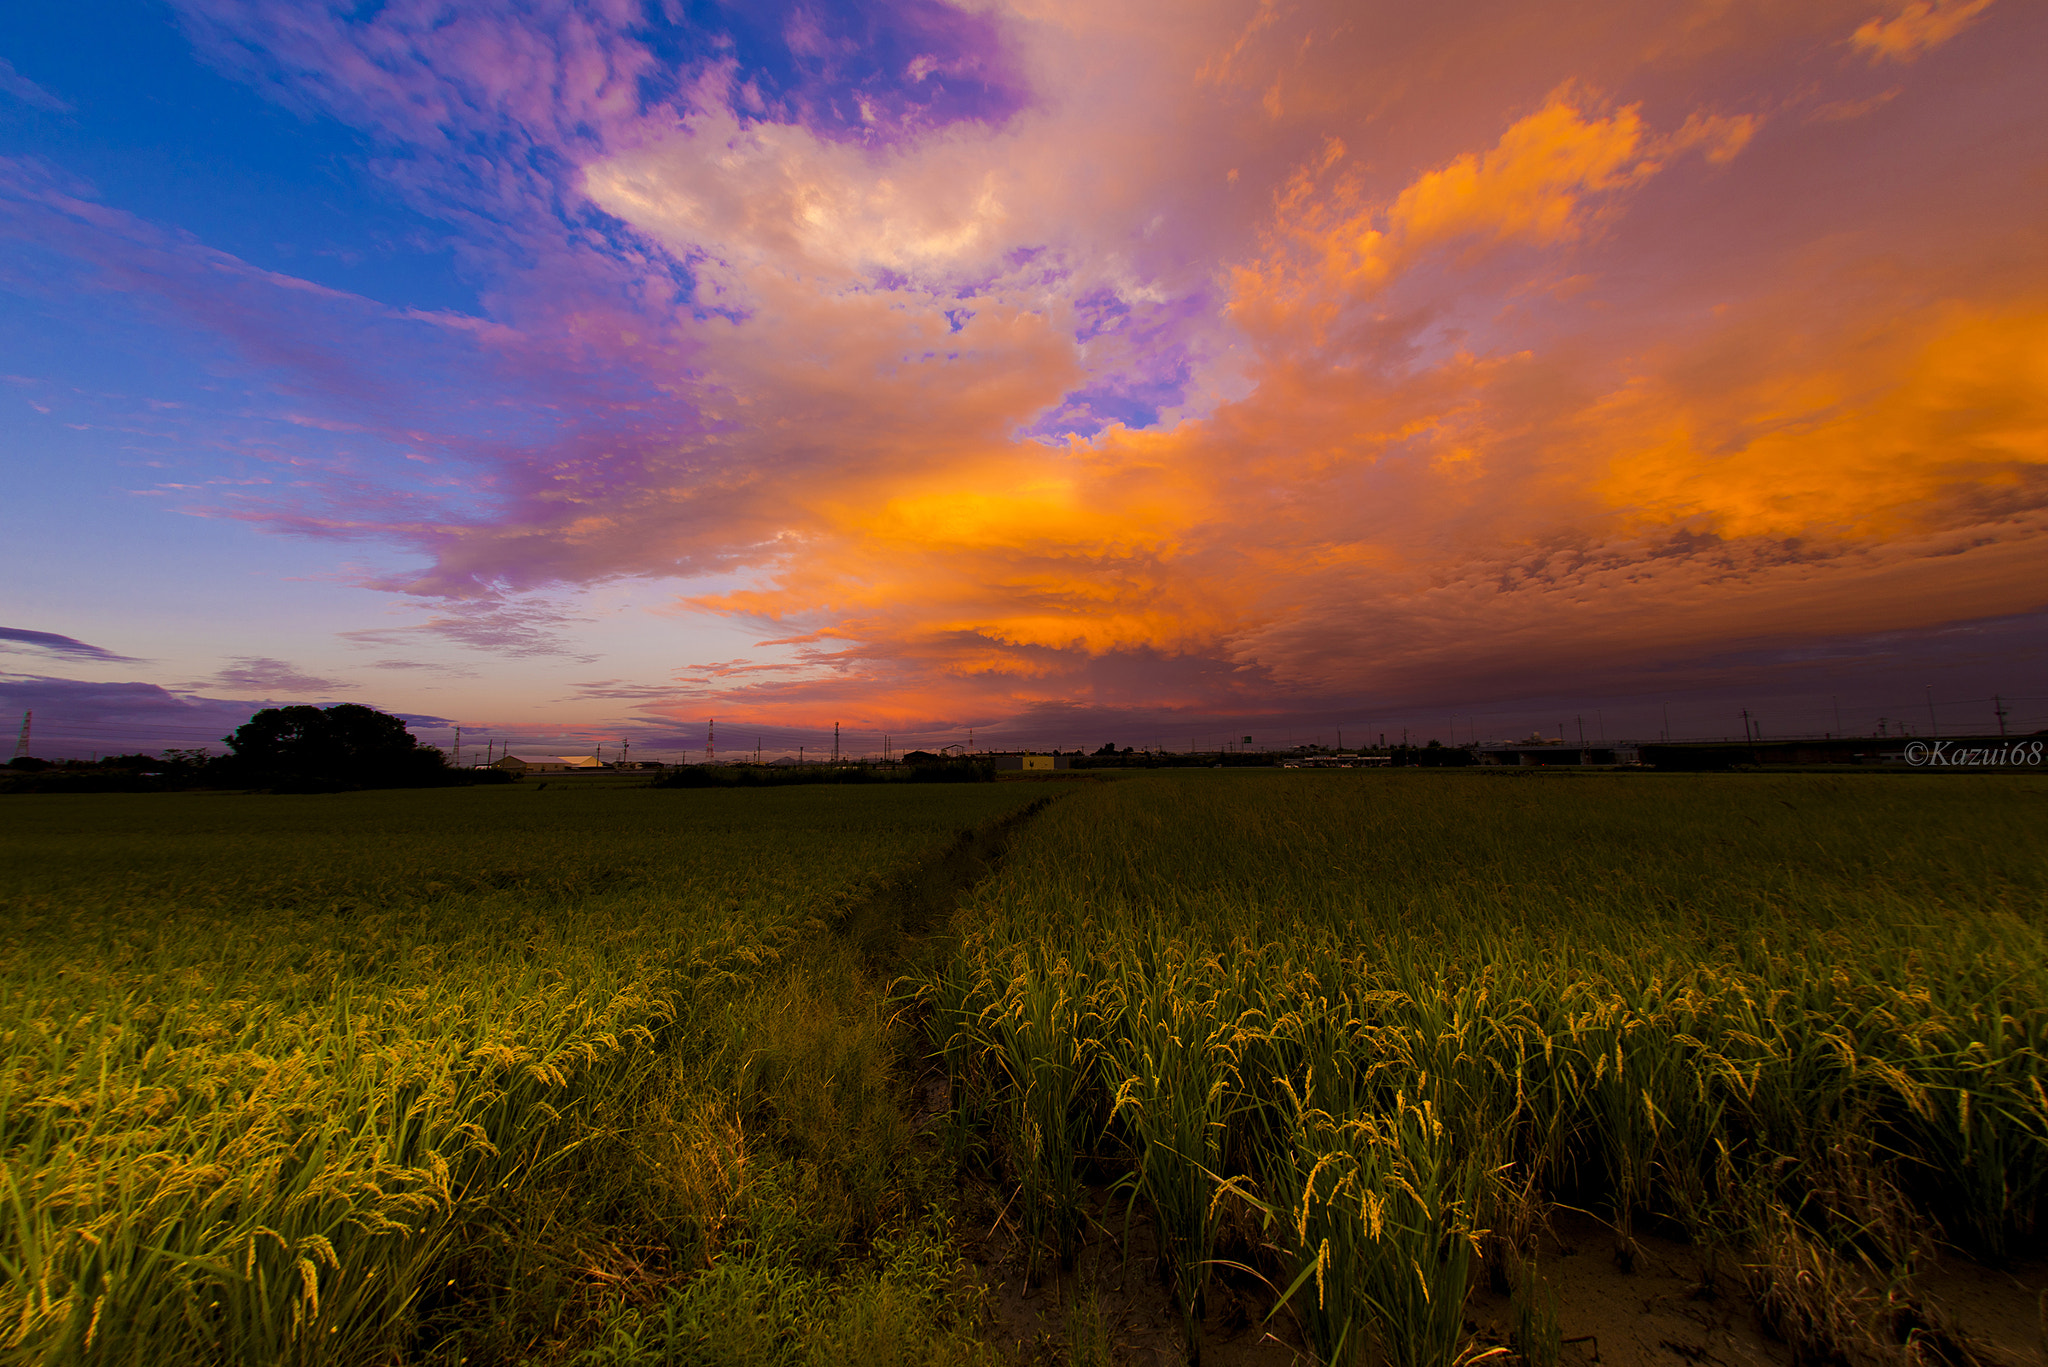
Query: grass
{"x":352,"y":1077}
{"x":1394,"y":1014}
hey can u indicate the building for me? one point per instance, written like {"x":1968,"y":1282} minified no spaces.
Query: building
{"x":1028,"y":763}
{"x":550,"y":764}
{"x":1537,"y":753}
{"x":1336,"y":762}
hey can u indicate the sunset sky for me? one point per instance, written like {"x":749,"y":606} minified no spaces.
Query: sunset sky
{"x":1070,"y":370}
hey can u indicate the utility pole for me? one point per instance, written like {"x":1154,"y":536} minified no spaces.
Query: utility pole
{"x":835,"y":742}
{"x":1667,"y":721}
{"x":710,"y":740}
{"x":1998,"y":710}
{"x":1582,"y":733}
{"x":1838,"y":713}
{"x":1933,"y":727}
{"x":625,"y":750}
{"x":458,"y":747}
{"x":1745,"y":726}
{"x":21,"y":745}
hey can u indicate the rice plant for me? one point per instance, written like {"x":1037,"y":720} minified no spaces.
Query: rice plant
{"x":1037,"y":1039}
{"x":1172,"y":1036}
{"x":276,"y":1073}
{"x":1396,"y":1012}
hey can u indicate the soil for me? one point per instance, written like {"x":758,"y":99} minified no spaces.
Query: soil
{"x":1663,"y":1311}
{"x":2000,"y":1313}
{"x":1111,"y":1305}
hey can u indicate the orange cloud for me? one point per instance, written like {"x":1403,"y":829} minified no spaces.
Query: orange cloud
{"x":1374,"y":513}
{"x":1081,"y":548}
{"x":1596,"y":376}
{"x":1961,"y":418}
{"x":1921,"y":26}
{"x":1528,"y":187}
{"x":1540,"y":185}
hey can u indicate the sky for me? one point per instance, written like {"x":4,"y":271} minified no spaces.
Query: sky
{"x":1056,"y":372}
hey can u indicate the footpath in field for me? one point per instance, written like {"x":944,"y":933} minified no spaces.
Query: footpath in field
{"x":521,"y":1074}
{"x":1458,"y":1066}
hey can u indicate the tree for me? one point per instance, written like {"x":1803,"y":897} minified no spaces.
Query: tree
{"x":343,"y":746}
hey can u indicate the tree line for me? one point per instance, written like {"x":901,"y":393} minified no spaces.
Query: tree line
{"x":300,"y":749}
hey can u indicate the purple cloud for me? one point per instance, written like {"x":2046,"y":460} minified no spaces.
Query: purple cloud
{"x":424,"y":722}
{"x":77,"y":717}
{"x":62,"y":645}
{"x":492,"y":624}
{"x":20,"y":87}
{"x":432,"y":665}
{"x":261,"y":674}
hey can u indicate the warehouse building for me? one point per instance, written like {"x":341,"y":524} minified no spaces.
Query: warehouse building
{"x":1028,"y":762}
{"x":549,"y":764}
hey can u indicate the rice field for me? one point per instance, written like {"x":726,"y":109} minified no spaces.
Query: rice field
{"x":1355,"y":1035}
{"x":609,"y":1076}
{"x":380,"y":1077}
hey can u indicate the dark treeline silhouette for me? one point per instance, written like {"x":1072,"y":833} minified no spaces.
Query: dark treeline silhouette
{"x":280,"y":749}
